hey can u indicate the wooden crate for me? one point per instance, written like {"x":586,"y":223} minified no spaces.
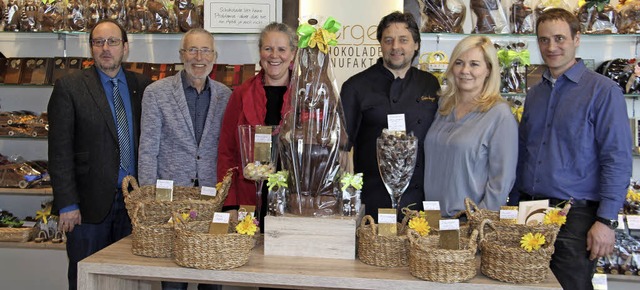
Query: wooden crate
{"x":327,"y":237}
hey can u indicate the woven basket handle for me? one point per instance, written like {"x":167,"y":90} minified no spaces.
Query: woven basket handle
{"x":413,"y":236}
{"x":133,"y":215}
{"x":408,"y":214}
{"x":482,"y":224}
{"x":554,"y":235}
{"x":459,"y":214}
{"x":129,"y":181}
{"x":226,"y":184}
{"x":473,"y":241}
{"x":471,"y":206}
{"x":372,"y":223}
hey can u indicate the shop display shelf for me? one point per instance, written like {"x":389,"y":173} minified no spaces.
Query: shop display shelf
{"x":39,"y":191}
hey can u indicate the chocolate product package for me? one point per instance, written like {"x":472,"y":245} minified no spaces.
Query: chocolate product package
{"x":37,"y":71}
{"x":159,"y":71}
{"x":14,"y":70}
{"x":312,"y":135}
{"x":60,"y":68}
{"x":442,"y":15}
{"x":137,"y":67}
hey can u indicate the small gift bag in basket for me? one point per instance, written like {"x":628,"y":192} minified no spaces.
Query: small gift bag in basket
{"x":382,"y":251}
{"x":196,"y":248}
{"x":516,"y":253}
{"x":152,"y":234}
{"x":429,"y":262}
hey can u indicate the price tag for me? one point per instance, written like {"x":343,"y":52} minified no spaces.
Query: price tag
{"x":386,"y":218}
{"x":208,"y":191}
{"x":28,"y":224}
{"x":508,"y":214}
{"x":431,"y":205}
{"x":396,"y":122}
{"x":449,"y":225}
{"x":221,"y":218}
{"x":620,"y":222}
{"x":263,"y":138}
{"x":220,"y":223}
{"x":599,"y":282}
{"x":633,"y":221}
{"x":164,"y":190}
{"x":162,"y":183}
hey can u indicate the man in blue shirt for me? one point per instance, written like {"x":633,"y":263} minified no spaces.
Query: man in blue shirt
{"x":574,"y":142}
{"x":94,"y":124}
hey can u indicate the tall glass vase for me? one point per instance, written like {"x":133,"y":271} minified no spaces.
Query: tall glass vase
{"x":258,"y":153}
{"x":397,"y":155}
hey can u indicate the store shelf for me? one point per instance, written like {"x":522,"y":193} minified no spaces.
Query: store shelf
{"x":44,"y":191}
{"x":23,"y":137}
{"x":33,"y":245}
{"x":629,"y":278}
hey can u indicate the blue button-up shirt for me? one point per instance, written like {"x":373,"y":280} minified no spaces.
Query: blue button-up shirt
{"x":198,"y":104}
{"x":575,"y":141}
{"x":126,"y":99}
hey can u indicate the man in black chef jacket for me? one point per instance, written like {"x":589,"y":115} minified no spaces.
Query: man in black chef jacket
{"x":390,"y":87}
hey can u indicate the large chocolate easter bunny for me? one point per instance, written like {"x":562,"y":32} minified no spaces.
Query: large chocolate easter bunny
{"x":313,"y":131}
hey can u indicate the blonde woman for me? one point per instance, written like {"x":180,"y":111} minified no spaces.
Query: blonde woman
{"x":471,"y":149}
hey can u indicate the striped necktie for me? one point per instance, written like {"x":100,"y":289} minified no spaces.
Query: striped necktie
{"x":122,"y":128}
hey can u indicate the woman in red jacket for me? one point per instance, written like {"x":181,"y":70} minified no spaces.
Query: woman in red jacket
{"x":261,"y":100}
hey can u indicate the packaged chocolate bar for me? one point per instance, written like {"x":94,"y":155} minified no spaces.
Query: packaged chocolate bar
{"x":37,"y":71}
{"x":13,"y":71}
{"x":60,"y":68}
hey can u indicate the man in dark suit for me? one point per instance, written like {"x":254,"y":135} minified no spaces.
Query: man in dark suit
{"x":94,"y":123}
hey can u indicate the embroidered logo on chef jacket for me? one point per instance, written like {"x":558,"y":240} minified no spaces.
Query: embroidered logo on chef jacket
{"x":428,"y":98}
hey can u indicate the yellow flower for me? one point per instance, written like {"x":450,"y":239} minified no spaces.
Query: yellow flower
{"x":554,"y":217}
{"x":420,"y":225}
{"x":247,"y":226}
{"x":218,"y":186}
{"x":531,"y":242}
{"x":633,"y":196}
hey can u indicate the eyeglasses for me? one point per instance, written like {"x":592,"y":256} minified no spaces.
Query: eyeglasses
{"x":110,"y":42}
{"x":194,"y":51}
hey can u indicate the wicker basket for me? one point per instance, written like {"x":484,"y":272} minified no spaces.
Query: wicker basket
{"x":196,"y":248}
{"x":16,"y":234}
{"x":151,"y":235}
{"x":428,"y":262}
{"x":382,"y":251}
{"x":476,"y":215}
{"x":503,"y":259}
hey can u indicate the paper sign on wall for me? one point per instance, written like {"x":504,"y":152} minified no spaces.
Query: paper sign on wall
{"x":245,"y":16}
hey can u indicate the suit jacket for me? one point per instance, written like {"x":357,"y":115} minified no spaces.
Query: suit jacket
{"x":83,"y":143}
{"x":168,"y":146}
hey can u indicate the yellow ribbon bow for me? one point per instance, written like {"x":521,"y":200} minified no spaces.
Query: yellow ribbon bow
{"x":44,"y":214}
{"x":354,"y":180}
{"x":507,"y":56}
{"x":278,"y":179}
{"x":321,"y":37}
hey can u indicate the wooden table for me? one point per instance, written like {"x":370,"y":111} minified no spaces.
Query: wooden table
{"x":116,"y":267}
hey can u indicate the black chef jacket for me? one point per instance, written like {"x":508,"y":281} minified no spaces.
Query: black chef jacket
{"x":367,"y":98}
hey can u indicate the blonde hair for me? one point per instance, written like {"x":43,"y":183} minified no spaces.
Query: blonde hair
{"x":490,"y":95}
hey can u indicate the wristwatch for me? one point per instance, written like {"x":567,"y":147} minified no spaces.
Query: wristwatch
{"x":612,"y":224}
